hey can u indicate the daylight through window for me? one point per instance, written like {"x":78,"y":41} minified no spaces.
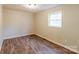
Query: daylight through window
{"x":55,"y":19}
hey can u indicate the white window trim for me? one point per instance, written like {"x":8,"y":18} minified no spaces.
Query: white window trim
{"x":49,"y":20}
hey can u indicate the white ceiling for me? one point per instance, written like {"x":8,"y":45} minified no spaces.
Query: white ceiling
{"x":40,"y":7}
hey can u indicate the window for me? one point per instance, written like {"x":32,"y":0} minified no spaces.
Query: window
{"x":55,"y":19}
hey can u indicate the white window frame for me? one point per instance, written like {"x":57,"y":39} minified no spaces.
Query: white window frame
{"x":54,"y":20}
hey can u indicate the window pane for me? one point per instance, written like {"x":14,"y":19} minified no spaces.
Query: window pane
{"x":56,"y":16}
{"x":55,"y":19}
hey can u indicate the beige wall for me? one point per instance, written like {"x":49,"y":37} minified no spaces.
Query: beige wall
{"x":17,"y":23}
{"x":1,"y":39}
{"x":68,"y":35}
{"x":71,"y":26}
{"x":0,"y":21}
{"x":42,"y":28}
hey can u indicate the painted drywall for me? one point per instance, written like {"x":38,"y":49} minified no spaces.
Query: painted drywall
{"x":0,"y":21}
{"x":71,"y":26}
{"x":17,"y":23}
{"x":20,"y":23}
{"x":42,"y":28}
{"x":68,"y":35}
{"x":1,"y":39}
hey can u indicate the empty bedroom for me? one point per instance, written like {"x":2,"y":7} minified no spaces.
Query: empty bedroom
{"x":39,"y":29}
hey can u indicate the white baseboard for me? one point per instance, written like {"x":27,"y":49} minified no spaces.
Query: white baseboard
{"x":2,"y":39}
{"x":15,"y":36}
{"x":42,"y":37}
{"x":59,"y":44}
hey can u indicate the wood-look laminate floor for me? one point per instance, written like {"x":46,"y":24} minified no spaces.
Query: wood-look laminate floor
{"x":32,"y":44}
